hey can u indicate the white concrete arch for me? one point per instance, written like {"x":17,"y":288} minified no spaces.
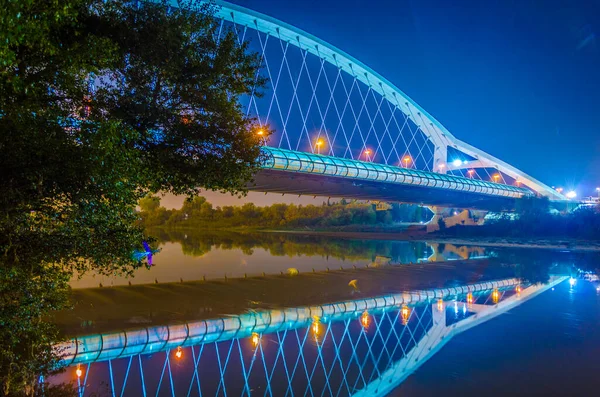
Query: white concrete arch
{"x":434,"y":130}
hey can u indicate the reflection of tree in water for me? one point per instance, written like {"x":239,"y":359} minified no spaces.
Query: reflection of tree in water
{"x":198,"y":243}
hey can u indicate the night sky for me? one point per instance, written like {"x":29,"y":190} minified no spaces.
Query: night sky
{"x":516,"y":78}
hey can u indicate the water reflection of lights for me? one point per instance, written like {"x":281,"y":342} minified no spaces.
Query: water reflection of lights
{"x":572,"y":281}
{"x":440,"y":305}
{"x":255,"y":339}
{"x":179,"y":352}
{"x":316,"y":326}
{"x":405,"y":314}
{"x":495,"y":296}
{"x":365,"y":320}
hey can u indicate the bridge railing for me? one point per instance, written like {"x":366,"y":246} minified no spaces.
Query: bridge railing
{"x":310,"y":163}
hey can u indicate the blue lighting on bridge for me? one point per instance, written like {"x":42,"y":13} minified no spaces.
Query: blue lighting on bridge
{"x":310,"y":163}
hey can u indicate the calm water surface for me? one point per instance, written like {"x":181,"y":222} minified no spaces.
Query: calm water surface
{"x":535,"y":332}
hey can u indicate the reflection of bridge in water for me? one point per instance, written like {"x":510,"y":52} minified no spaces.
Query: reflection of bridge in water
{"x":358,"y":347}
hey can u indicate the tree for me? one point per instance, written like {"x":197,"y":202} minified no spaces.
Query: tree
{"x":101,"y":103}
{"x":104,"y":102}
{"x":149,"y":203}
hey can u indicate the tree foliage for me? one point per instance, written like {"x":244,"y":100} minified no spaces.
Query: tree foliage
{"x":533,"y":220}
{"x":101,"y":103}
{"x":199,"y":212}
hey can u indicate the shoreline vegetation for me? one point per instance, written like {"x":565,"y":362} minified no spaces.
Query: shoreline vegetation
{"x":533,"y":227}
{"x":198,"y":212}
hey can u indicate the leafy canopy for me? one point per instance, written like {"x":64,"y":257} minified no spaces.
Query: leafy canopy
{"x":101,"y":103}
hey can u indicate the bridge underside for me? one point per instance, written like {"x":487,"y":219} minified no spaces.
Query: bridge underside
{"x":277,"y":181}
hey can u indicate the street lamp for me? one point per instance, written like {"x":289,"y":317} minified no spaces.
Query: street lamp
{"x":572,"y":194}
{"x":442,"y":166}
{"x":367,"y":153}
{"x":261,"y":134}
{"x":406,"y":160}
{"x":559,"y":189}
{"x":471,"y":172}
{"x":255,"y":339}
{"x":319,"y":144}
{"x":496,"y":177}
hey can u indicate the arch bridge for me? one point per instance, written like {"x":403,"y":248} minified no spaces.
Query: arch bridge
{"x":343,"y":130}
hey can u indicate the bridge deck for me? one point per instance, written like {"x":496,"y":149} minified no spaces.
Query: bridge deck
{"x":292,"y":172}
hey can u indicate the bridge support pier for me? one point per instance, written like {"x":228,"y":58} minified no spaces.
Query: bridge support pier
{"x":453,"y":217}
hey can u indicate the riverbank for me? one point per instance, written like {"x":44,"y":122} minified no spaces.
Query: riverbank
{"x":554,"y":244}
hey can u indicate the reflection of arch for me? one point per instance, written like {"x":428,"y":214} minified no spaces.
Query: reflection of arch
{"x":440,"y":334}
{"x":401,"y":355}
{"x":431,"y":128}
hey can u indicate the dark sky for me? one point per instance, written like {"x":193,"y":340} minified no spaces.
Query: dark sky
{"x":519,"y":79}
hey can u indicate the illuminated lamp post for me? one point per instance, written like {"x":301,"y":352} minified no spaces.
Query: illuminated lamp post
{"x":318,"y":145}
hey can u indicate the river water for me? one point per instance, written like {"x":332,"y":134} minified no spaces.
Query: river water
{"x":422,"y":319}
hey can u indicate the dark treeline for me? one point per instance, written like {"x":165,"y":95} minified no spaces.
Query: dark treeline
{"x":536,"y":220}
{"x":199,"y":212}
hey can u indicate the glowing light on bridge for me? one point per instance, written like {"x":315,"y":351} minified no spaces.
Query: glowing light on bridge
{"x":470,"y":298}
{"x":496,"y":177}
{"x":255,"y":339}
{"x":179,"y":352}
{"x":518,"y":289}
{"x":572,"y":281}
{"x":78,"y":372}
{"x":367,"y":153}
{"x":559,"y":189}
{"x":318,"y":145}
{"x":406,"y":160}
{"x":457,"y":163}
{"x":471,"y":172}
{"x":440,"y":305}
{"x":572,"y":194}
